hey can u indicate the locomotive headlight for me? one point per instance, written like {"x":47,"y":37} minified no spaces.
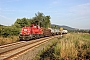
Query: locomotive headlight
{"x":24,"y":32}
{"x":20,"y":33}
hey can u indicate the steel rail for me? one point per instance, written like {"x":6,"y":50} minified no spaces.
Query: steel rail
{"x":15,"y":50}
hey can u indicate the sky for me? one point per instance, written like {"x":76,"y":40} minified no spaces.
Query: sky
{"x":72,"y":13}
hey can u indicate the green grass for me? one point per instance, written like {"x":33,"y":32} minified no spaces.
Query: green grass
{"x":73,"y":46}
{"x":87,"y":36}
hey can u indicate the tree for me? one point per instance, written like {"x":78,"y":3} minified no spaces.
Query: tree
{"x":41,"y":20}
{"x":89,"y":31}
{"x":47,"y":22}
{"x":17,"y":23}
{"x":22,"y":22}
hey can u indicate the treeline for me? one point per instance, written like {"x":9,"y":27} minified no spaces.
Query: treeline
{"x":40,"y":19}
{"x":80,"y":31}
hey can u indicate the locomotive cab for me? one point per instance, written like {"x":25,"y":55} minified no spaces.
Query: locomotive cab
{"x":25,"y":33}
{"x":36,"y":31}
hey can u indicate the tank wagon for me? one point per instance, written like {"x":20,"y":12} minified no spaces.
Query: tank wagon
{"x":64,"y":31}
{"x":54,"y":31}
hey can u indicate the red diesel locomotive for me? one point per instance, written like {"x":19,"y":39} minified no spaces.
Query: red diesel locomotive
{"x":31,"y":32}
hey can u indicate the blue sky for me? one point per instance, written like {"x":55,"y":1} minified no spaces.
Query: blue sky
{"x":73,"y":13}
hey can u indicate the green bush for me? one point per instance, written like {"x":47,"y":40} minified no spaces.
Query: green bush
{"x":9,"y":31}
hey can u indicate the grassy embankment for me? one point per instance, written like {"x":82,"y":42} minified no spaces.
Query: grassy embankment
{"x":8,"y":34}
{"x":7,"y":40}
{"x":73,"y":46}
{"x":45,"y":47}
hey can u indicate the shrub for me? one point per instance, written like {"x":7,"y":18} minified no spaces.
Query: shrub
{"x":9,"y":31}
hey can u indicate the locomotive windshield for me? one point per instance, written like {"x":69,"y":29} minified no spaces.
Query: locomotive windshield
{"x":34,"y":26}
{"x":25,"y":29}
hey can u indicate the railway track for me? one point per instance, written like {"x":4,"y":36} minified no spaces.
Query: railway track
{"x":14,"y":50}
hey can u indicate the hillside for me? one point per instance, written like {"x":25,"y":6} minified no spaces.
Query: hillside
{"x":65,"y":27}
